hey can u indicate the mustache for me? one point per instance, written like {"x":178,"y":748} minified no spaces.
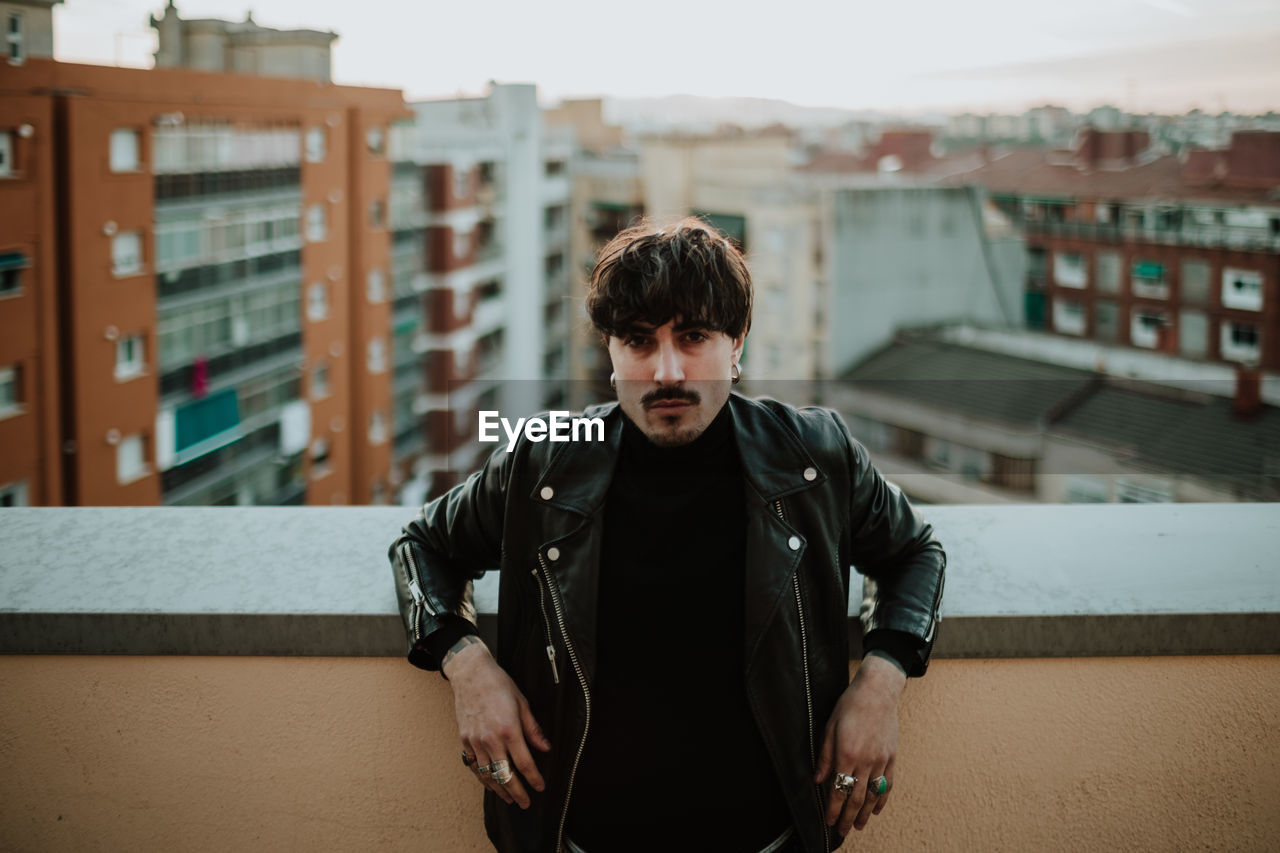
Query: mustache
{"x":659,"y":395}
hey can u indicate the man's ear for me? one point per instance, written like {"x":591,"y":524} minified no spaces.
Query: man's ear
{"x":738,"y":343}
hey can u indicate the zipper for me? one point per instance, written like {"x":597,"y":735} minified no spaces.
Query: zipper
{"x":556,"y":604}
{"x":808,"y":690}
{"x":546,"y":624}
{"x":415,"y":590}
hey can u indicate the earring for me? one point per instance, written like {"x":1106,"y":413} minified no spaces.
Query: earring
{"x":737,"y":373}
{"x":613,"y":381}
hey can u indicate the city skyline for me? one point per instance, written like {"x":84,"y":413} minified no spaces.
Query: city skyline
{"x":1140,"y":55}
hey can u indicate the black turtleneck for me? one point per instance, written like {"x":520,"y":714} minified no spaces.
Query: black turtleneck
{"x":673,"y":760}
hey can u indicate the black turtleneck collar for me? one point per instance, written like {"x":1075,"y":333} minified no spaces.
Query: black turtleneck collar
{"x":706,"y":452}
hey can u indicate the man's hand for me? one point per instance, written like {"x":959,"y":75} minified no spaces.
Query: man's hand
{"x":861,"y":740}
{"x":494,"y":720}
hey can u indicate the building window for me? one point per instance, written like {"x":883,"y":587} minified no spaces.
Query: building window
{"x":376,"y":287}
{"x":377,"y":355}
{"x":1193,"y":334}
{"x":14,"y":494}
{"x":130,"y":358}
{"x":461,"y":182}
{"x":126,"y":253}
{"x":131,"y":459}
{"x":6,"y":154}
{"x":317,"y":300}
{"x":319,"y":382}
{"x":320,"y":457}
{"x":554,"y":167}
{"x":378,"y":213}
{"x":1068,"y":317}
{"x":1240,"y":342}
{"x":17,"y":50}
{"x":1070,"y":270}
{"x":315,"y":145}
{"x":1086,"y":490}
{"x":1037,"y":266}
{"x":377,"y":428}
{"x":317,"y":223}
{"x":461,"y":244}
{"x":1106,"y":321}
{"x":376,"y":140}
{"x":1242,"y":289}
{"x":1144,"y":329}
{"x":1147,"y":280}
{"x":1133,"y":493}
{"x":1108,"y":271}
{"x":125,"y":153}
{"x":10,"y":391}
{"x":1195,"y":282}
{"x":11,"y":266}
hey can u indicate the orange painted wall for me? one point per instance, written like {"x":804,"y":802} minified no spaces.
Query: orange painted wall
{"x":155,"y":753}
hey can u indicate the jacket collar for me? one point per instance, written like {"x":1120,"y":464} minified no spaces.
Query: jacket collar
{"x":774,"y":462}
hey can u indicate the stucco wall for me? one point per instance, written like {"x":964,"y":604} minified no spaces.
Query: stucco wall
{"x":252,"y":753}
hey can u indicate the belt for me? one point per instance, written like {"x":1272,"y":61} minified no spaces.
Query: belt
{"x":772,"y":847}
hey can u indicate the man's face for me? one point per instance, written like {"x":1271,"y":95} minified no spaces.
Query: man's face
{"x":673,"y":379}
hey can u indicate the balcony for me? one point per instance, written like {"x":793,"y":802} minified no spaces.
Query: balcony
{"x":1187,"y":234}
{"x":1106,"y":677}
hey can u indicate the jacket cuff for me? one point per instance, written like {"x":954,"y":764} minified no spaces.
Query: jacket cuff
{"x":431,"y":650}
{"x":898,"y":647}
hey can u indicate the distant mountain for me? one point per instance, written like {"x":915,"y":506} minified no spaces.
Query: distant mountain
{"x":699,"y":114}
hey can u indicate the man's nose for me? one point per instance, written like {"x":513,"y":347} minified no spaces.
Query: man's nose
{"x":670,"y":367}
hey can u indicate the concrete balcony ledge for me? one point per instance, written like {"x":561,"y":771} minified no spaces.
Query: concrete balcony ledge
{"x":1023,"y":581}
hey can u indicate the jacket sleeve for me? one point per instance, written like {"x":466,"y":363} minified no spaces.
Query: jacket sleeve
{"x":454,"y":540}
{"x":895,"y":549}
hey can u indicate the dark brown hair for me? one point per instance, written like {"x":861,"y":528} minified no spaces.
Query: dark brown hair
{"x":650,"y":274}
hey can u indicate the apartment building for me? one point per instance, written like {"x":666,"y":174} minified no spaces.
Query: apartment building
{"x":744,"y":184}
{"x":191,"y":308}
{"x":495,"y":287}
{"x":1179,"y":255}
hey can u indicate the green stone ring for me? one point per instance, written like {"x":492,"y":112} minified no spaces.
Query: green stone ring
{"x":878,"y":785}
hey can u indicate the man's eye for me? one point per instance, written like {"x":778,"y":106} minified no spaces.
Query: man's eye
{"x":635,"y":341}
{"x":696,"y":337}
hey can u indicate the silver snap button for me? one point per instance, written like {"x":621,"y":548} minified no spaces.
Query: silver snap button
{"x":547,"y":493}
{"x":794,"y":543}
{"x":811,"y":474}
{"x":553,"y":553}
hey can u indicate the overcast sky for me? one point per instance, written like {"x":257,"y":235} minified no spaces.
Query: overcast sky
{"x":1006,"y":55}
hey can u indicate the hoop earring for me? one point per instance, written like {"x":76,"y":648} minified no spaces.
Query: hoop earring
{"x":736,"y":375}
{"x":613,"y":381}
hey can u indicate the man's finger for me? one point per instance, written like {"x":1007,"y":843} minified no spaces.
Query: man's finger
{"x":838,"y":799}
{"x":533,"y":731}
{"x":514,"y":790}
{"x":523,"y":762}
{"x":864,"y":813}
{"x":854,"y":804}
{"x":883,"y":798}
{"x":483,"y":759}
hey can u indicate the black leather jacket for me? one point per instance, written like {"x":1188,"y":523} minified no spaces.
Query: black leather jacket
{"x":815,"y":506}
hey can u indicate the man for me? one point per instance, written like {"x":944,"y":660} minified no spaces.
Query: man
{"x":672,"y":615}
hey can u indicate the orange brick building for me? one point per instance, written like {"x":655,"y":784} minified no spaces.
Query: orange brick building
{"x":195,"y":291}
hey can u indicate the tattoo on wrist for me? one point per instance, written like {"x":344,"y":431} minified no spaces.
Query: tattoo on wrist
{"x":469,"y":639}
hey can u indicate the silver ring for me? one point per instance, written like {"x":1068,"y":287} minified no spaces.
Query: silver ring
{"x":844,"y":783}
{"x":484,"y":769}
{"x":501,"y":771}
